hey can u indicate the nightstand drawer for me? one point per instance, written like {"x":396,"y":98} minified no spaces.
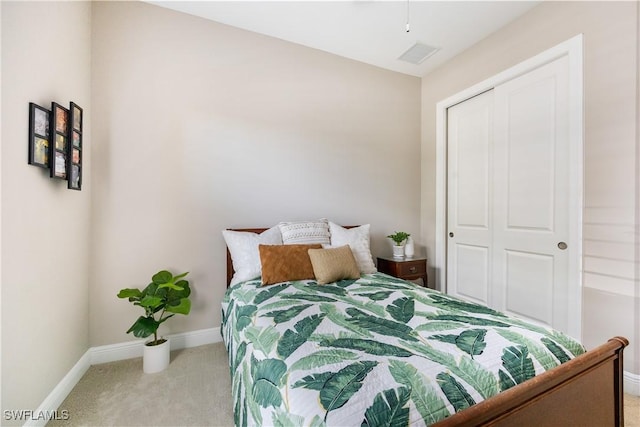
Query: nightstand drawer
{"x":409,"y":268}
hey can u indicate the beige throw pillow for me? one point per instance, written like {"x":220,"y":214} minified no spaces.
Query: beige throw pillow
{"x":330,"y":265}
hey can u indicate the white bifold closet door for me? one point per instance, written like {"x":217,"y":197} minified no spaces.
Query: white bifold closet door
{"x":508,"y":197}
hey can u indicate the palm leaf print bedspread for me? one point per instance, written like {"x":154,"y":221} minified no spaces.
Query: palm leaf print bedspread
{"x":371,"y":352}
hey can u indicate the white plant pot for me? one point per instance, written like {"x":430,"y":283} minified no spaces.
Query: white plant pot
{"x":398,"y":251}
{"x":156,"y":357}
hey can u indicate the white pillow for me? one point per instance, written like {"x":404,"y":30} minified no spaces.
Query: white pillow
{"x":305,"y":232}
{"x":358,"y":239}
{"x":243,"y":247}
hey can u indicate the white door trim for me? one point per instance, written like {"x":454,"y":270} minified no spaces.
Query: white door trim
{"x":571,"y":48}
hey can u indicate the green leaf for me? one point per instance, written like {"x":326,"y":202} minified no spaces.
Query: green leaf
{"x":377,"y":296}
{"x":330,"y":289}
{"x":542,"y":356}
{"x":162,"y":277}
{"x":428,"y":403}
{"x":179,"y":276}
{"x":434,"y":326}
{"x":474,"y":374}
{"x":568,"y":343}
{"x":402,"y":309}
{"x":308,"y":297}
{"x":455,"y":304}
{"x":286,"y":419}
{"x":557,"y":351}
{"x":518,"y":364}
{"x":254,"y":408}
{"x":236,"y":410}
{"x":291,"y":340}
{"x":151,"y":301}
{"x":281,"y":316}
{"x":367,"y":346}
{"x":151,"y":289}
{"x":470,"y":341}
{"x":313,"y":381}
{"x":267,"y":379}
{"x":176,"y":287}
{"x":244,"y":414}
{"x":380,"y":325}
{"x":341,"y":320}
{"x":226,"y":312}
{"x":322,"y":358}
{"x":240,"y":353}
{"x":468,"y":320}
{"x":144,"y":326}
{"x":263,"y":339}
{"x":244,"y":316}
{"x":171,"y":285}
{"x":130,"y":293}
{"x":268,"y":292}
{"x":316,"y":421}
{"x":388,"y":409}
{"x":345,"y":282}
{"x":455,"y":392}
{"x":340,"y":386}
{"x":183,"y":307}
{"x":505,"y":380}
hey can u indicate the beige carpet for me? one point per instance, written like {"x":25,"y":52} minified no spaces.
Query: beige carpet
{"x":194,"y":391}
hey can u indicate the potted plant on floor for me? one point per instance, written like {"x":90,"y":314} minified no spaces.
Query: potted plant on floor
{"x":164,"y":297}
{"x":399,"y":239}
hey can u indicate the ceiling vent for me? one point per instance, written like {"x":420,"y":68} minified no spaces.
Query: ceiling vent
{"x":418,"y":53}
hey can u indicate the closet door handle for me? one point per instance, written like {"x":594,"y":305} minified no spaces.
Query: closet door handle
{"x":562,"y":245}
{"x":450,"y":234}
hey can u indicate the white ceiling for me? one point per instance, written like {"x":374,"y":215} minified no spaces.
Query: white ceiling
{"x":366,"y":30}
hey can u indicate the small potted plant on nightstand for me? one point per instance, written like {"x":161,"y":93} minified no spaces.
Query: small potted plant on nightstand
{"x":399,"y":239}
{"x":164,"y":297}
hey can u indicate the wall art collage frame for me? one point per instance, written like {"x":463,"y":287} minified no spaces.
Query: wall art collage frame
{"x":56,"y":141}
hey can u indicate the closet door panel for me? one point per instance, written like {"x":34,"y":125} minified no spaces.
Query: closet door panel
{"x":470,"y":128}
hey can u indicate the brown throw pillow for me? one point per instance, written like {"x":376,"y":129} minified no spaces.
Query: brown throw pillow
{"x":283,"y":263}
{"x":334,"y":264}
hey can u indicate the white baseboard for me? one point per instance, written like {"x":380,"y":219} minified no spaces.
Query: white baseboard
{"x":52,"y":402}
{"x":631,"y":383}
{"x":131,"y":349}
{"x":111,"y":353}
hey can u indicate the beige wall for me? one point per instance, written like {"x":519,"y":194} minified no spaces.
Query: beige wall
{"x":610,"y":80}
{"x":45,"y":227}
{"x":200,"y":126}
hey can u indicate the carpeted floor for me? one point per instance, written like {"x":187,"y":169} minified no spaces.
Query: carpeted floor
{"x":194,"y":391}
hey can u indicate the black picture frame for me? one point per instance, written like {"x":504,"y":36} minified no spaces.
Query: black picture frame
{"x":59,"y":144}
{"x":74,"y":147}
{"x":39,"y":139}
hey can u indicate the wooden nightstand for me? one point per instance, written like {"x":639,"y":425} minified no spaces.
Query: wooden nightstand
{"x":404,"y":268}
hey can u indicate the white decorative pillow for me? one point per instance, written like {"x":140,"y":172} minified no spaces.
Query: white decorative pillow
{"x":358,"y":239}
{"x":305,"y":232}
{"x":243,"y":247}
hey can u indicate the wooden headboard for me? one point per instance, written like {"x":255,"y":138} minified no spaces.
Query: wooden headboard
{"x":230,"y":270}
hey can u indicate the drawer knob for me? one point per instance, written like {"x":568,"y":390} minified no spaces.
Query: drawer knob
{"x":413,"y":269}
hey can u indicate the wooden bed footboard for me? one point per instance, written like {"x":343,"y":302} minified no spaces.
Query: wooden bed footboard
{"x":585,"y":391}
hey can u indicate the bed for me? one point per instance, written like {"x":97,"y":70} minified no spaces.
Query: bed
{"x":379,"y":351}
